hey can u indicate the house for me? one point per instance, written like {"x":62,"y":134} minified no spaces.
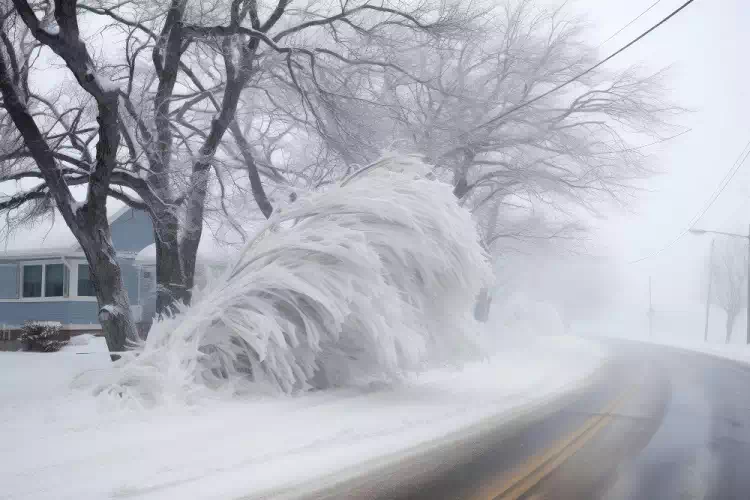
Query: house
{"x":44,"y":275}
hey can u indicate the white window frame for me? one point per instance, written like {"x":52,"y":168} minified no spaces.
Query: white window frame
{"x":71,"y":264}
{"x":22,"y":267}
{"x":74,"y":272}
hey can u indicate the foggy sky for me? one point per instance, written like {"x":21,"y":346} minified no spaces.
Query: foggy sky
{"x":706,"y":45}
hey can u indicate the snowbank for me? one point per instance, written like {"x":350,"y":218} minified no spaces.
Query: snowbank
{"x":58,"y":444}
{"x":85,"y":344}
{"x":734,"y":352}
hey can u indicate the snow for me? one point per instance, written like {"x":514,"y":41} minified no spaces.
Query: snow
{"x":109,"y":308}
{"x":681,"y":328}
{"x":218,"y":245}
{"x":50,"y":235}
{"x":369,"y":284}
{"x":147,"y":255}
{"x":52,"y":30}
{"x":735,"y":352}
{"x":59,"y":442}
{"x":106,"y":84}
{"x":46,"y":323}
{"x":210,"y":251}
{"x":376,"y":276}
{"x":86,"y":343}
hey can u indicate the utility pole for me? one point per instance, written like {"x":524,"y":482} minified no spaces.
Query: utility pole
{"x":746,"y":238}
{"x":650,"y":310}
{"x":710,"y":280}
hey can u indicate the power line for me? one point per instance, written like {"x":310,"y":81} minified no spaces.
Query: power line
{"x":737,"y":210}
{"x":733,"y":171}
{"x":583,"y":73}
{"x":714,"y":196}
{"x":665,"y":139}
{"x":631,"y":22}
{"x":648,"y":145}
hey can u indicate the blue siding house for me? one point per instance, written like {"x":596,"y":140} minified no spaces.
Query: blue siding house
{"x":44,"y":275}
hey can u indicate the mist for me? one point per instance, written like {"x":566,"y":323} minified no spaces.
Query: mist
{"x":423,"y":249}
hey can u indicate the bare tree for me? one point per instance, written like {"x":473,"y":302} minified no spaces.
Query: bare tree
{"x":526,"y":175}
{"x":575,"y":145}
{"x":562,"y":154}
{"x":507,"y":229}
{"x":196,"y":79}
{"x":729,"y":272}
{"x":220,"y":100}
{"x":88,"y":220}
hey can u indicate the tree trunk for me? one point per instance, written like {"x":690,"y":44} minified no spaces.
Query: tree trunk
{"x":482,"y":307}
{"x":191,"y":237}
{"x":256,"y":184}
{"x":484,"y":301}
{"x":170,"y":277}
{"x":88,"y":222}
{"x":460,"y":183}
{"x":461,"y":187}
{"x":730,"y":327}
{"x":237,"y":77}
{"x":114,"y":314}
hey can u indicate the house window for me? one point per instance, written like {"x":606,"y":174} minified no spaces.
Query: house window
{"x":54,"y":281}
{"x":45,"y":280}
{"x":85,"y":285}
{"x":32,"y":280}
{"x":9,"y":281}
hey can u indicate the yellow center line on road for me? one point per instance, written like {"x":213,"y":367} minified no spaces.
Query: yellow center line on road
{"x":521,"y":480}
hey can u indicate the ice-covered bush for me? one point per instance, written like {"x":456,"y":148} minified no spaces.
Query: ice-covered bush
{"x":42,"y":336}
{"x":371,"y":277}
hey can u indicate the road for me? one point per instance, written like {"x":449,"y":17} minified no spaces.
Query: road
{"x":657,"y":423}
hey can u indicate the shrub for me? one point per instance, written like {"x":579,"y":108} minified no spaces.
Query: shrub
{"x":42,"y":336}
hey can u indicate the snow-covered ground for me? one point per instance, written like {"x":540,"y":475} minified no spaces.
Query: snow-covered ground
{"x":59,"y":443}
{"x":734,"y":352}
{"x":683,"y":328}
{"x":730,"y":351}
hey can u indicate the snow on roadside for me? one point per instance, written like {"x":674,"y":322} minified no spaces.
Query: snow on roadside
{"x":86,"y":344}
{"x":735,"y":352}
{"x":57,"y":443}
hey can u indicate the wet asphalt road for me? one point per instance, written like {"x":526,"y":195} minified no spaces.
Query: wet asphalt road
{"x":656,"y":423}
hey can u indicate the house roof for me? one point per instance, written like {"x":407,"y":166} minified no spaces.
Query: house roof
{"x":48,"y":237}
{"x":51,"y":237}
{"x":210,"y":251}
{"x":219,"y":243}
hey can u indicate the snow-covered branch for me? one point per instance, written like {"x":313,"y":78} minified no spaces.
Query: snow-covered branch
{"x":369,"y":278}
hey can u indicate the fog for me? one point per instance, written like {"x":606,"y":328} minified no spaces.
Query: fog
{"x":599,"y":259}
{"x":703,"y":47}
{"x":374,"y":249}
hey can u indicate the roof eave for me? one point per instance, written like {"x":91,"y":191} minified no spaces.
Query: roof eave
{"x":51,"y":253}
